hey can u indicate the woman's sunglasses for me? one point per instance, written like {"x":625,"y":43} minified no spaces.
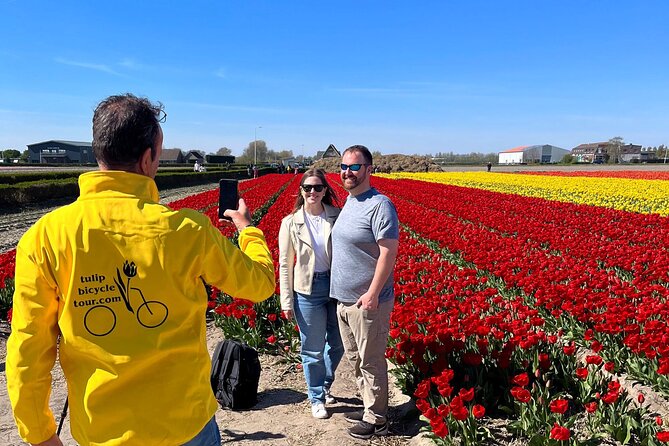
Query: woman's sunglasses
{"x":316,"y":187}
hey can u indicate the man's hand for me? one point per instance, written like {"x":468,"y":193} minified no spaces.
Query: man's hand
{"x":368,"y":301}
{"x":288,"y":314}
{"x":240,"y":217}
{"x":53,"y":441}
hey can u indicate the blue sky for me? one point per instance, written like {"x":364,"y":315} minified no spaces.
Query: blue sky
{"x":397,"y":76}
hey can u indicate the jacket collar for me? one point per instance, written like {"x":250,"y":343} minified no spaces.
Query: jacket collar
{"x":331,"y":212}
{"x":303,"y":234}
{"x":117,"y":183}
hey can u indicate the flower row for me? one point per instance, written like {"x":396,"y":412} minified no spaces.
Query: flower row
{"x":632,"y":195}
{"x":629,"y":174}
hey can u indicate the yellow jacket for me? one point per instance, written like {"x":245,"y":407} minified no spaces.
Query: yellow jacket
{"x":120,"y":277}
{"x":296,"y":254}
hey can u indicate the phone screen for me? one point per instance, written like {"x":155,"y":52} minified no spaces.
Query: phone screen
{"x":228,"y":196}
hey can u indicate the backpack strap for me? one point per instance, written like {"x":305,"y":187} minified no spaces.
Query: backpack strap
{"x":216,"y":365}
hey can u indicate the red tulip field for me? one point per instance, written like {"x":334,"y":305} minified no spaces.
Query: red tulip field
{"x":539,"y":300}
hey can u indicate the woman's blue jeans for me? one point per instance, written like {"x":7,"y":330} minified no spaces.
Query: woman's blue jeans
{"x":322,"y":348}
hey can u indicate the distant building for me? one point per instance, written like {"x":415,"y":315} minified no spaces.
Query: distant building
{"x":542,"y":153}
{"x":193,"y":156}
{"x":171,"y":156}
{"x":594,"y":152}
{"x":330,"y":152}
{"x":61,"y":152}
{"x":601,"y":152}
{"x":649,"y":153}
{"x":633,"y":153}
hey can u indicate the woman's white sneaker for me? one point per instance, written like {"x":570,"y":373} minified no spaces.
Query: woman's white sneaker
{"x":318,"y":411}
{"x":329,"y":399}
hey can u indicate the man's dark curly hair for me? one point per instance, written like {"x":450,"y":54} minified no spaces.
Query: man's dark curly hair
{"x":124,"y":126}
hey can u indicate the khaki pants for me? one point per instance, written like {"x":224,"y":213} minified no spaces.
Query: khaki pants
{"x":365,"y":337}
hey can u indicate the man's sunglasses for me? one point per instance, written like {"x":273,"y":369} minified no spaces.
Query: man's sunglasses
{"x":353,"y":167}
{"x":316,"y":187}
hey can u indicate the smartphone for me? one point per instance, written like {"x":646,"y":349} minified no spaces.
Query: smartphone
{"x":228,"y":197}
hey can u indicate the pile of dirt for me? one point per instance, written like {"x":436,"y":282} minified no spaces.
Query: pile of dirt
{"x":387,"y":164}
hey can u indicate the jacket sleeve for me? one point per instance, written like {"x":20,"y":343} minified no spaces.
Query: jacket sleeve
{"x":286,"y":266}
{"x":244,"y":273}
{"x":31,"y":348}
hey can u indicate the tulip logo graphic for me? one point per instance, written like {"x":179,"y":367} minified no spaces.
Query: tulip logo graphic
{"x":129,"y":269}
{"x":100,"y":320}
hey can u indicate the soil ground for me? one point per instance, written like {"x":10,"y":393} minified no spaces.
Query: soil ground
{"x":281,"y":417}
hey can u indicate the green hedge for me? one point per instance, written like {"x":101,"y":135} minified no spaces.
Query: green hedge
{"x":16,"y":178}
{"x":36,"y":191}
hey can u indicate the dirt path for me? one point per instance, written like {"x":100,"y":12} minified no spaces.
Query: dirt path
{"x":281,"y":417}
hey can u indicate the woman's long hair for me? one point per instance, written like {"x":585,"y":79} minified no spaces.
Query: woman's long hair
{"x":329,"y":198}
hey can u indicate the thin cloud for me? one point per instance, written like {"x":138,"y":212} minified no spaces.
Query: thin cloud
{"x":221,"y":72}
{"x":89,"y":66}
{"x":236,"y":107}
{"x":372,"y":90}
{"x":415,"y":89}
{"x":131,"y":64}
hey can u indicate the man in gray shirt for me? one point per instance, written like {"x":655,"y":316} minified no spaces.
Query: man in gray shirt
{"x":364,"y":247}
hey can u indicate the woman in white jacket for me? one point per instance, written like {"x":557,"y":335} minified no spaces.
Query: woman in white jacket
{"x":305,"y":253}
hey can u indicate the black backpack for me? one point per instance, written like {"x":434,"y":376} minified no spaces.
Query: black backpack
{"x":235,"y":373}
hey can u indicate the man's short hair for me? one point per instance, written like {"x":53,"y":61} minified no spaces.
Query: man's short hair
{"x":124,"y":126}
{"x":362,"y":150}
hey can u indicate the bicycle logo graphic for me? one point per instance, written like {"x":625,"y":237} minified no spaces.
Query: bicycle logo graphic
{"x":100,"y":320}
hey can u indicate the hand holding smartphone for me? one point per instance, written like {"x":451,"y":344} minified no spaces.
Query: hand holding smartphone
{"x":228,"y":197}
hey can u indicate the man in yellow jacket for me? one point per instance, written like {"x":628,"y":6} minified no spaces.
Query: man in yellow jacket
{"x":120,"y":278}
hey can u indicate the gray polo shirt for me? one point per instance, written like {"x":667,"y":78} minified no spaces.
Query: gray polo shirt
{"x":364,"y":220}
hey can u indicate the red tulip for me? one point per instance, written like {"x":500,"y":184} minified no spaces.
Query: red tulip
{"x":467,"y":394}
{"x":582,"y":373}
{"x":521,"y":380}
{"x":559,"y":406}
{"x":560,"y":433}
{"x":591,"y":407}
{"x":478,"y":411}
{"x":521,"y":394}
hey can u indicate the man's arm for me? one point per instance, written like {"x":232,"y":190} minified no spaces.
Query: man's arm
{"x":31,"y":348}
{"x":384,"y":267}
{"x":253,"y":268}
{"x":245,"y":273}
